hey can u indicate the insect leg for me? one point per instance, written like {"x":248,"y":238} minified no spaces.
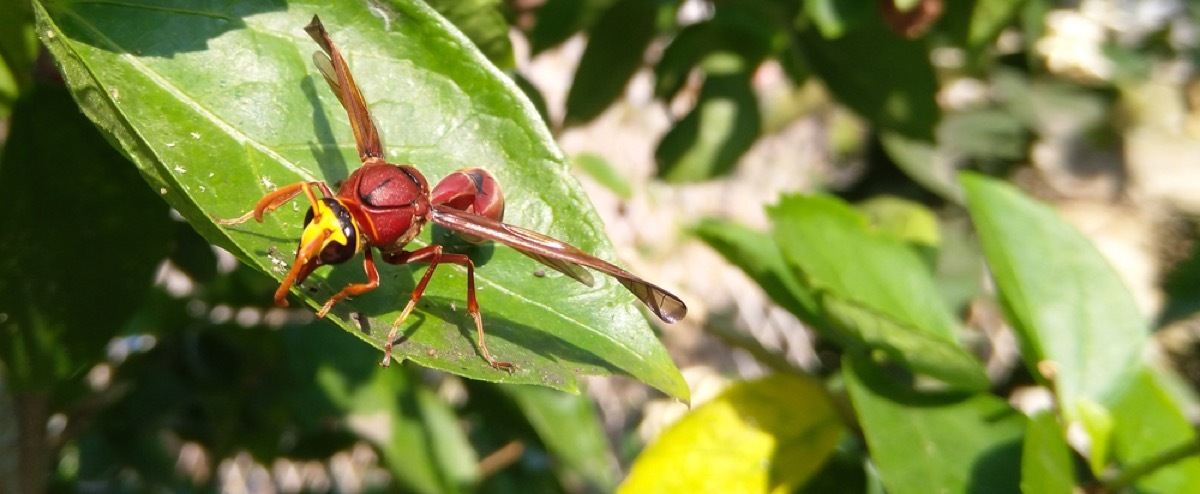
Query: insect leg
{"x":433,"y":255}
{"x":277,"y":198}
{"x":355,"y":288}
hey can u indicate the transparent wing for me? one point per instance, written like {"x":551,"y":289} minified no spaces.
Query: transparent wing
{"x":562,"y":257}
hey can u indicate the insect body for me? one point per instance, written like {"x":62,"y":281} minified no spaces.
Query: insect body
{"x":382,"y":206}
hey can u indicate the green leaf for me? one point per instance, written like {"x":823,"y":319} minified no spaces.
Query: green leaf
{"x":903,"y":219}
{"x":557,"y":20}
{"x":1079,"y":329}
{"x":81,"y":243}
{"x":935,"y":442}
{"x":833,"y":18}
{"x":742,"y":30}
{"x":418,"y":435}
{"x":872,"y":287}
{"x":1153,"y":440}
{"x":1046,"y":463}
{"x":769,"y":435}
{"x":714,"y":135}
{"x":757,"y":255}
{"x":602,"y":172}
{"x":975,"y":24}
{"x":616,"y":45}
{"x":567,"y":424}
{"x":983,"y":138}
{"x":884,"y":78}
{"x":18,"y":51}
{"x":218,"y":107}
{"x":483,"y":21}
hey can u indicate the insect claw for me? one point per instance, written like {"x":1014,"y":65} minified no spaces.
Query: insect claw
{"x":325,"y":309}
{"x":387,"y":354}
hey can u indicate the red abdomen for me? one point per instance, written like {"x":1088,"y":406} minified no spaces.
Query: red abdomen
{"x":392,"y":202}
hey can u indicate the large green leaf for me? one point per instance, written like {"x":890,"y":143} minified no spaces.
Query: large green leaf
{"x":219,"y":104}
{"x":1077,"y":324}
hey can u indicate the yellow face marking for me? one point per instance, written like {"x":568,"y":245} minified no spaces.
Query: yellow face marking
{"x":324,"y":228}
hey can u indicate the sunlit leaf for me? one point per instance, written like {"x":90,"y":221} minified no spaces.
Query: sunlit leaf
{"x":219,"y":105}
{"x":756,"y":254}
{"x":1077,"y":324}
{"x":769,"y":435}
{"x":872,"y":287}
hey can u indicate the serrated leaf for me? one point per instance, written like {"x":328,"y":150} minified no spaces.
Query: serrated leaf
{"x":1077,"y":324}
{"x":935,"y":442}
{"x":874,"y":289}
{"x":219,"y":105}
{"x":769,"y":435}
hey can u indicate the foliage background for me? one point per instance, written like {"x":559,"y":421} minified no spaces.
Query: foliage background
{"x":895,"y":361}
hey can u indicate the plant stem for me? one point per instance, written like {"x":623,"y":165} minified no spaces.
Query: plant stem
{"x":1130,"y":475}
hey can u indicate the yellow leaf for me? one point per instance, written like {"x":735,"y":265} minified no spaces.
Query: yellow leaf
{"x":768,"y":435}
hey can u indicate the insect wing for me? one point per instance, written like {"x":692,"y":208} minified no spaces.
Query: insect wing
{"x":333,"y":68}
{"x":560,"y":256}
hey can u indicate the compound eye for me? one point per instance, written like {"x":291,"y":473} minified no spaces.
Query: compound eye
{"x":336,"y":253}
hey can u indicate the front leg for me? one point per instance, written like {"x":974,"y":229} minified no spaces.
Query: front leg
{"x":433,"y":255}
{"x":272,"y":200}
{"x":355,"y":288}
